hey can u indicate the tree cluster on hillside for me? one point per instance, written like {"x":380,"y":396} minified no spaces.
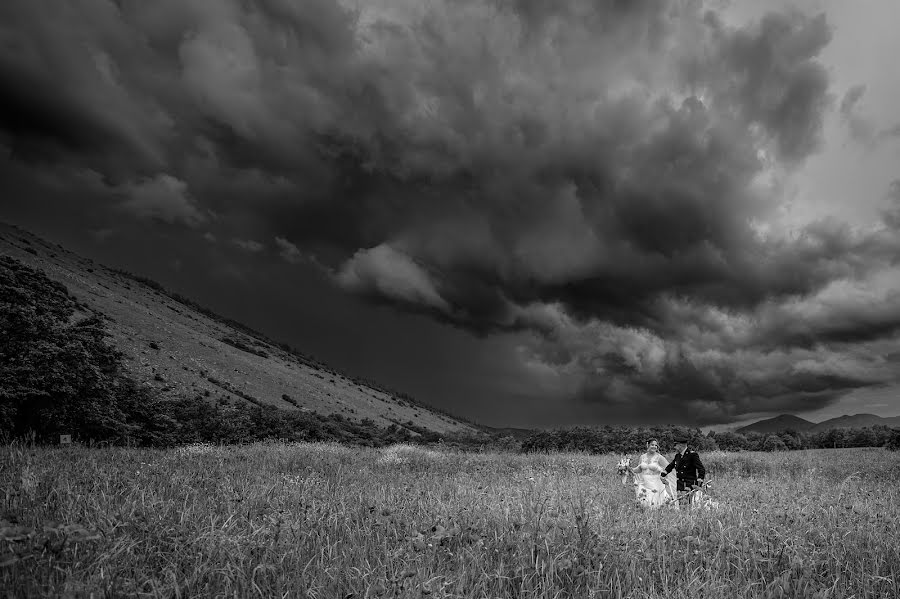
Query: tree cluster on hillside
{"x":57,"y":373}
{"x":167,"y":422}
{"x":609,"y":439}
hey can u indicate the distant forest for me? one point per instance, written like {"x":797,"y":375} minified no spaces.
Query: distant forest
{"x":629,"y":440}
{"x":60,"y":375}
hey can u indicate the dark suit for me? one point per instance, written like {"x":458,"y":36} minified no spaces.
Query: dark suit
{"x":688,"y":468}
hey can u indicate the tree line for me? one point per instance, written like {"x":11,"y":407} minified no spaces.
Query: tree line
{"x":610,"y":439}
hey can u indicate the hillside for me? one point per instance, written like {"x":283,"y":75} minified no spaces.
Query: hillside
{"x":777,"y":424}
{"x":183,"y":350}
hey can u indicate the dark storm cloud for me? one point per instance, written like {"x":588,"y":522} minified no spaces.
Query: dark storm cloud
{"x":600,"y":173}
{"x":61,"y":96}
{"x":771,"y":75}
{"x":32,"y":111}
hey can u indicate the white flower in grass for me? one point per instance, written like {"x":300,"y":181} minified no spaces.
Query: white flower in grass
{"x":195,"y":449}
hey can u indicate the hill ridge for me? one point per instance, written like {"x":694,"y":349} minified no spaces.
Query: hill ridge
{"x":785,"y":422}
{"x":175,"y":345}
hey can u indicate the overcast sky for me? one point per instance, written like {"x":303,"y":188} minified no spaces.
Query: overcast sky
{"x":531,"y":213}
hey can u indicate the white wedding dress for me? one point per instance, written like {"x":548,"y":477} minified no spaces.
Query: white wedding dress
{"x":650,"y":489}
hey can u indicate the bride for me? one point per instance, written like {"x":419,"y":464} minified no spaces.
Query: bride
{"x":652,"y":490}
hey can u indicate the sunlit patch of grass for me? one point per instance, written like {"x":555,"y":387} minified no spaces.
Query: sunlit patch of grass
{"x":322,"y":520}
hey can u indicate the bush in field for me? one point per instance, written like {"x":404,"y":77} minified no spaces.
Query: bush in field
{"x":774,"y":443}
{"x":893,"y":442}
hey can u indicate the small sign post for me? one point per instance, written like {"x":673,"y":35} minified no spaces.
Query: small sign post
{"x":65,"y":439}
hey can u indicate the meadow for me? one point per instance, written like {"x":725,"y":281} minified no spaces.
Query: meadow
{"x":328,"y":521}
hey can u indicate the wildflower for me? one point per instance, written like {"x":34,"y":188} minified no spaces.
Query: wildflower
{"x":194,"y":449}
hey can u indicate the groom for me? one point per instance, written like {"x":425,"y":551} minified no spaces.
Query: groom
{"x":688,"y":467}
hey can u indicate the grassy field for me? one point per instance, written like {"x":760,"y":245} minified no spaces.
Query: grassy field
{"x":325,"y":521}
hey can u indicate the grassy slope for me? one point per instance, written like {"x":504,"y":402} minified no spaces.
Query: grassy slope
{"x":192,"y":360}
{"x":329,"y":521}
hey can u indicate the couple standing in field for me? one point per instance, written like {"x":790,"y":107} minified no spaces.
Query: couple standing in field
{"x":654,"y":487}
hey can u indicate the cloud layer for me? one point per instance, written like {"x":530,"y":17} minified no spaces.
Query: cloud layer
{"x":604,"y":175}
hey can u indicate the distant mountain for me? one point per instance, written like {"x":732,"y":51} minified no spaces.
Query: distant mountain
{"x":786,"y":422}
{"x":778,"y":424}
{"x":856,"y":421}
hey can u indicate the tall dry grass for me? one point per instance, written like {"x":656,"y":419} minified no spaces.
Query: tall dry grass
{"x":324,"y":521}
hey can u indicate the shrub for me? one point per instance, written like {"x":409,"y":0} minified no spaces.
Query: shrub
{"x":893,"y":441}
{"x":243,"y":346}
{"x":774,"y":443}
